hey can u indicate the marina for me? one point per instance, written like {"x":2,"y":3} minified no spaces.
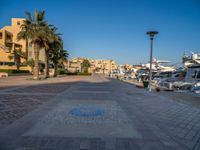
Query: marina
{"x":168,"y":78}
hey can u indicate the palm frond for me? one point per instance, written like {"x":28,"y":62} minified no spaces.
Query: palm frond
{"x":28,"y":16}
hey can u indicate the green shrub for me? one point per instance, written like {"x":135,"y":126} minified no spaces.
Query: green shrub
{"x":72,"y":73}
{"x":62,"y":71}
{"x":10,"y":71}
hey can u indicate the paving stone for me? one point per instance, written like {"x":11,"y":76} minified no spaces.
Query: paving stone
{"x":197,"y":146}
{"x":133,"y":118}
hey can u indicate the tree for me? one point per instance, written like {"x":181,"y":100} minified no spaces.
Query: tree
{"x":24,"y":35}
{"x":33,"y":29}
{"x":17,"y":54}
{"x":56,"y":54}
{"x":50,"y":37}
{"x":45,"y":42}
{"x":85,"y":65}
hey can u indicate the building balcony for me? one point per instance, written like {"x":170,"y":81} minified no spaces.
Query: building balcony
{"x":8,"y":40}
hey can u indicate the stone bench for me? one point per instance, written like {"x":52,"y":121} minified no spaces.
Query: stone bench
{"x":3,"y":74}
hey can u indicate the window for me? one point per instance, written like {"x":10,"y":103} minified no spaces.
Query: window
{"x":1,"y":35}
{"x":18,"y":23}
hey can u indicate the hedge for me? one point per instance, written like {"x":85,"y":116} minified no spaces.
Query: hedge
{"x":72,"y":73}
{"x":62,"y":71}
{"x":10,"y":71}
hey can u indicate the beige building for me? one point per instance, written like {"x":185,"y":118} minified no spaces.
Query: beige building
{"x":9,"y":43}
{"x":74,"y":65}
{"x":96,"y":66}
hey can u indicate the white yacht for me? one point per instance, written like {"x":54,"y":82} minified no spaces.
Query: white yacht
{"x":193,"y":58}
{"x":157,"y":65}
{"x":192,"y":78}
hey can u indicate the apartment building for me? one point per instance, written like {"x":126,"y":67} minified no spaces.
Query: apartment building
{"x":74,"y":65}
{"x":9,"y":43}
{"x":96,"y":66}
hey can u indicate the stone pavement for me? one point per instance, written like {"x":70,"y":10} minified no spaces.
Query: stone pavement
{"x":18,"y":96}
{"x":95,"y":114}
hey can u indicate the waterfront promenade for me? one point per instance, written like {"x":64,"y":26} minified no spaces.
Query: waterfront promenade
{"x":93,"y":113}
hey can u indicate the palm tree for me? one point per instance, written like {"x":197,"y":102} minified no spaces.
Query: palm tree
{"x":45,"y":42}
{"x":50,"y":38}
{"x":33,"y":29}
{"x":17,"y":55}
{"x":57,"y":55}
{"x":23,"y":35}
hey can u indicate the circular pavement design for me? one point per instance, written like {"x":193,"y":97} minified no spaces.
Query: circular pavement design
{"x":87,"y":111}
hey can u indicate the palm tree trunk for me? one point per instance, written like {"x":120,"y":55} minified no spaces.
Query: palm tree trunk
{"x":18,"y":63}
{"x":36,"y":64}
{"x":46,"y":57}
{"x":18,"y":67}
{"x":55,"y":69}
{"x":26,"y":49}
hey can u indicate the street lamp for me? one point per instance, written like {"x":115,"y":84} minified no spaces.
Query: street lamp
{"x":151,"y":34}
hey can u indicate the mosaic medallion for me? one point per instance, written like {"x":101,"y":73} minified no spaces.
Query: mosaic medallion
{"x":87,"y":111}
{"x":84,"y":118}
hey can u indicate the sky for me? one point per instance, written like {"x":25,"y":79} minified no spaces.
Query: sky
{"x":116,"y":29}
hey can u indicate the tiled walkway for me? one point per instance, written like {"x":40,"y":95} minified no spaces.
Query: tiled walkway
{"x":95,"y":114}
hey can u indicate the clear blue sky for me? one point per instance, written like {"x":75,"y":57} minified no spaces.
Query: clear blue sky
{"x":115,"y":29}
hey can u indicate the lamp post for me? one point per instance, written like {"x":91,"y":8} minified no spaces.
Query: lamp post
{"x":151,"y":34}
